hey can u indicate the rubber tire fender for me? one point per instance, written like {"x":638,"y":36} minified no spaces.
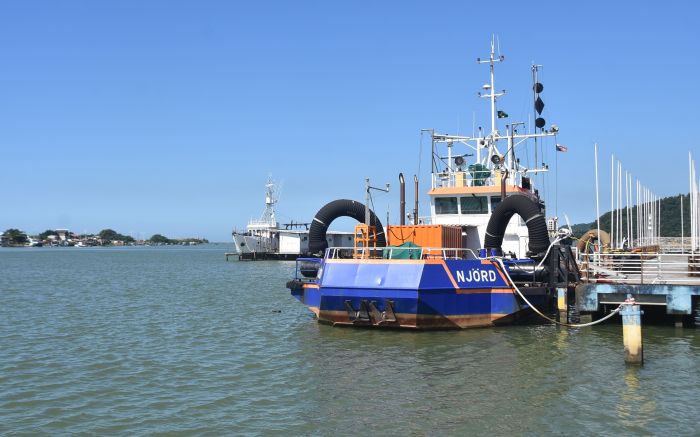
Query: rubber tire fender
{"x":531,"y":213}
{"x":340,"y":208}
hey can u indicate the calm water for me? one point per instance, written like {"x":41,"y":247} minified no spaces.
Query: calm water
{"x":176,"y":341}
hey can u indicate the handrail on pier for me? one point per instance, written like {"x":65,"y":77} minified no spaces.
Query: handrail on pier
{"x":641,"y":268}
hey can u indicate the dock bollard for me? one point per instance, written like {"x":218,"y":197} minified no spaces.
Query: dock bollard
{"x":632,"y":332}
{"x":562,"y":305}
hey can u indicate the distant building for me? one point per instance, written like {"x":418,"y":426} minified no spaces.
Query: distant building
{"x":63,"y":234}
{"x":4,"y":240}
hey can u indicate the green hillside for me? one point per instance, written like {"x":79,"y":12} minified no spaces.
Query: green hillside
{"x":670,"y":218}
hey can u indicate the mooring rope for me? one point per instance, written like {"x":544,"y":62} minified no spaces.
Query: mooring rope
{"x":562,"y":234}
{"x":570,"y":325}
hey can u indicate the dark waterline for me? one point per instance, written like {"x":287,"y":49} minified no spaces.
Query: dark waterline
{"x":159,"y":340}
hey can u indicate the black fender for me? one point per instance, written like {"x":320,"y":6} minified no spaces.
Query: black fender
{"x":532,"y":214}
{"x":333,"y":210}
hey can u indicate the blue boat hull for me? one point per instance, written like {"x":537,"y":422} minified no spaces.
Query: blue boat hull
{"x":418,"y":294}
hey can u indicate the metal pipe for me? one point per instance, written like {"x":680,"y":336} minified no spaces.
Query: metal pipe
{"x":367,"y":201}
{"x":415,"y":210}
{"x":504,"y":178}
{"x":402,"y":191}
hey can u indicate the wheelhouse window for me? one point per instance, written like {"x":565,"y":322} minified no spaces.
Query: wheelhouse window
{"x":495,"y":200}
{"x":474,"y":205}
{"x":445,"y":205}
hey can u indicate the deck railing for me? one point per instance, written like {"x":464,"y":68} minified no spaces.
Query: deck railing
{"x":641,"y":268}
{"x":462,"y":179}
{"x":399,"y":253}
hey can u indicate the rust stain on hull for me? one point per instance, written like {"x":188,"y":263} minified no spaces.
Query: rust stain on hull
{"x":414,"y":321}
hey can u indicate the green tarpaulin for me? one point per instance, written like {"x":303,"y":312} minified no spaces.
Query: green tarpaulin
{"x":407,"y":250}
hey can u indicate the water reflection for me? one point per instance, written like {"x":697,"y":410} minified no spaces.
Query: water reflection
{"x":636,"y":408}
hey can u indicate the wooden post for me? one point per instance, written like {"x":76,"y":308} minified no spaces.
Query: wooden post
{"x":562,"y":305}
{"x":632,"y":332}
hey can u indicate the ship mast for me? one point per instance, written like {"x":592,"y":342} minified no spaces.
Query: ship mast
{"x":493,"y":94}
{"x":494,"y":159}
{"x":268,"y":216}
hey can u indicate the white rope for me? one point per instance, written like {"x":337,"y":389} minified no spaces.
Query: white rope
{"x":562,"y":234}
{"x":570,"y":325}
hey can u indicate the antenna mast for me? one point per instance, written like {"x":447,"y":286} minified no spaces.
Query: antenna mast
{"x":268,"y":216}
{"x":493,"y":94}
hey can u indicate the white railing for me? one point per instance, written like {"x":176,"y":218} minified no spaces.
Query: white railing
{"x":461,"y":179}
{"x":396,"y":252}
{"x":641,"y":268}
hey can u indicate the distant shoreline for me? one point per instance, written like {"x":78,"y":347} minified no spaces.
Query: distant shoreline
{"x":211,"y":243}
{"x":107,"y":237}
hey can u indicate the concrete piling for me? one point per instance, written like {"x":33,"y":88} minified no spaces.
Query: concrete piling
{"x":632,"y":332}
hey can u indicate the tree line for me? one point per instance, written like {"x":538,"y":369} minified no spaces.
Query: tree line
{"x":670,"y":218}
{"x":17,"y":237}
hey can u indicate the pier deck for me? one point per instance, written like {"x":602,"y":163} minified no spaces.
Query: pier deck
{"x":664,"y":279}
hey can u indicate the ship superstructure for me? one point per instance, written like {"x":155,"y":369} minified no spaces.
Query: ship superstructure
{"x":471,"y":175}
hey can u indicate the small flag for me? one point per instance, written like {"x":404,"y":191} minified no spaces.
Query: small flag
{"x":502,"y":114}
{"x":561,"y":148}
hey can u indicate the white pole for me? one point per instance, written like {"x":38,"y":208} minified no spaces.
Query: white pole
{"x":619,"y":203}
{"x":630,"y":229}
{"x":597,"y":207}
{"x":692,"y":203}
{"x":682,"y":233}
{"x":653,"y":217}
{"x":646,"y":216}
{"x":691,"y":199}
{"x":627,"y":208}
{"x":637,"y":218}
{"x":650,"y":220}
{"x":658,"y":224}
{"x":645,"y":224}
{"x":656,"y":219}
{"x":612,"y":201}
{"x":693,"y":207}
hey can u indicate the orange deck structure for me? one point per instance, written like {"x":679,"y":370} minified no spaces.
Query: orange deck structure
{"x":425,"y":235}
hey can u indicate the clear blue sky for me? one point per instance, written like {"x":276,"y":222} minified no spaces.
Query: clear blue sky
{"x":168,"y":116}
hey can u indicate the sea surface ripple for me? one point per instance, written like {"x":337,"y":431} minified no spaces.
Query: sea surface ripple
{"x":175,"y":341}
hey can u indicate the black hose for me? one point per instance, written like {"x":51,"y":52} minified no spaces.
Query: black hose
{"x":530,"y":211}
{"x":333,"y":210}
